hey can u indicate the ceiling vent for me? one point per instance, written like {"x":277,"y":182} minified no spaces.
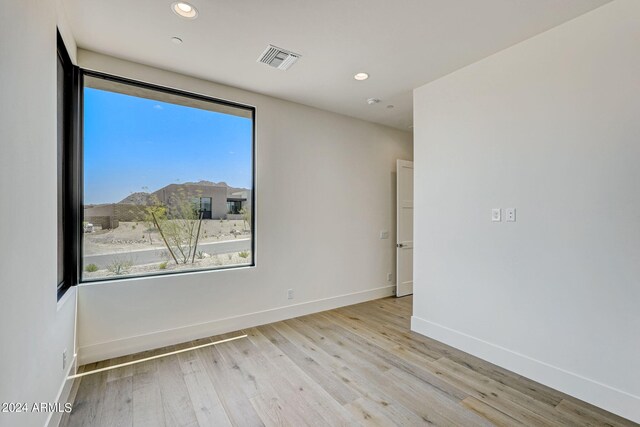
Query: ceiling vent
{"x":278,"y":58}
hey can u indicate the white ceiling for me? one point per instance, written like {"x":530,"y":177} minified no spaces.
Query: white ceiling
{"x":402,"y":44}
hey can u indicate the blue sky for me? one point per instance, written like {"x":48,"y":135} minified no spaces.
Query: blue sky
{"x":131,"y":143}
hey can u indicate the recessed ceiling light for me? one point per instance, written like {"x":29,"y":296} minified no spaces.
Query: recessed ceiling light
{"x":176,"y":40}
{"x":184,"y":9}
{"x":372,"y":101}
{"x":361,"y":76}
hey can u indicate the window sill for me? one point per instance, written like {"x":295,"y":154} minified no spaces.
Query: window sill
{"x":68,"y":295}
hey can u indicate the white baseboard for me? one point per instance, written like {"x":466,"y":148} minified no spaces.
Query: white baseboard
{"x":53,"y":420}
{"x":601,"y":395}
{"x":96,"y":352}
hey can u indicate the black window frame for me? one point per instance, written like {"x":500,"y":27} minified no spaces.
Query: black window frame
{"x":235,"y":210}
{"x":67,"y":174}
{"x":78,"y":172}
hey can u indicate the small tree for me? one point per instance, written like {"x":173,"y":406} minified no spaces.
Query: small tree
{"x":154,"y":208}
{"x":246,"y":217}
{"x":179,"y":225}
{"x":160,"y":213}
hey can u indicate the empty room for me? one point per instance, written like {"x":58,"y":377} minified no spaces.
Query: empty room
{"x":296,"y":213}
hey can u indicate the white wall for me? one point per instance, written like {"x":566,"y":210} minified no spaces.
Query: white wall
{"x":34,"y":328}
{"x":324,"y":192}
{"x":549,"y":126}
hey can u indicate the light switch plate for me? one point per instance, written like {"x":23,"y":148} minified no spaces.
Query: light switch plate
{"x":510,"y":213}
{"x":384,"y":234}
{"x":495,"y":215}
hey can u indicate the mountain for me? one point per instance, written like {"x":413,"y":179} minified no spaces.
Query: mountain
{"x":230,"y":189}
{"x":205,"y":182}
{"x":140,"y":198}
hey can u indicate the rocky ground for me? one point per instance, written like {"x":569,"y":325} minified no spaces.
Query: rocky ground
{"x":205,"y":261}
{"x":140,"y":235}
{"x":132,"y":236}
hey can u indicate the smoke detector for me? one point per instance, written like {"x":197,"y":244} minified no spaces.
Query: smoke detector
{"x":372,"y":101}
{"x":279,"y":58}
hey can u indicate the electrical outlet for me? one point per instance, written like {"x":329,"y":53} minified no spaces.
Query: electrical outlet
{"x":64,"y":359}
{"x":510,"y":213}
{"x":290,"y":294}
{"x":389,"y":277}
{"x":496,"y":215}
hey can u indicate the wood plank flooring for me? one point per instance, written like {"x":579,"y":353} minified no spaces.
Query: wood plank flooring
{"x":357,"y":365}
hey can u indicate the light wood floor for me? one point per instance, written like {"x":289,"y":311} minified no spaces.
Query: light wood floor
{"x":357,"y":365}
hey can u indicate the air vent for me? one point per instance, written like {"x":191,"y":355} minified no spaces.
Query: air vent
{"x":278,"y":58}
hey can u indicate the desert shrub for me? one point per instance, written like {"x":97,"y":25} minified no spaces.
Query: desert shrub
{"x":246,"y":217}
{"x":157,"y":210}
{"x":230,"y":256}
{"x":243,"y":254}
{"x":120,"y":266}
{"x":179,"y":224}
{"x":90,"y":268}
{"x":163,"y":265}
{"x":200,"y":254}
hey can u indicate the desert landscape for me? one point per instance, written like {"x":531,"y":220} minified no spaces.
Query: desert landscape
{"x":138,"y":247}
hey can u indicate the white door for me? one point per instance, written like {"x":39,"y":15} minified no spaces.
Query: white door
{"x":404,"y":235}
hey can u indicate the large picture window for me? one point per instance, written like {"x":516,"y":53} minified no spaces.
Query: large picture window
{"x":161,"y":170}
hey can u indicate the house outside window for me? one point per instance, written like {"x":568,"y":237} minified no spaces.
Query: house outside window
{"x":168,"y":181}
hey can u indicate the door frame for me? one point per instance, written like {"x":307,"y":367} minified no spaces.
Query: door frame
{"x":402,"y":288}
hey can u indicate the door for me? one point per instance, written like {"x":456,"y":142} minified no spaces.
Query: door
{"x":404,"y":234}
{"x":205,"y":206}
